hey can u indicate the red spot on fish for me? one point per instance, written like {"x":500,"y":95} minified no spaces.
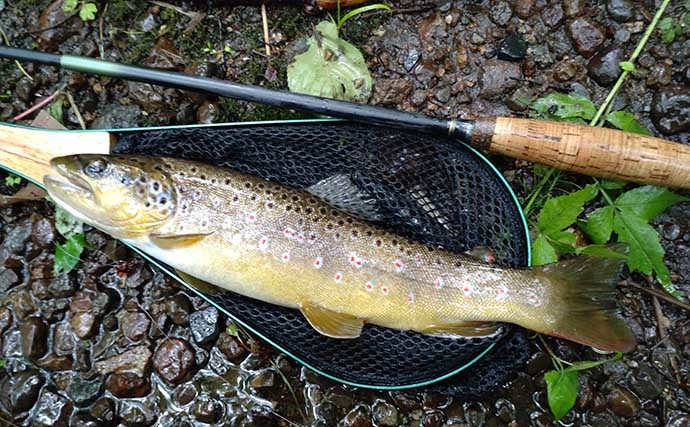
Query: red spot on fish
{"x":352,"y":258}
{"x":502,"y":291}
{"x":263,"y":244}
{"x":398,"y":265}
{"x":285,"y":257}
{"x":338,"y":277}
{"x":467,"y":289}
{"x":300,"y":237}
{"x":318,"y":262}
{"x":289,"y":232}
{"x":385,"y":290}
{"x":369,"y":286}
{"x":410,"y":298}
{"x":358,"y":263}
{"x":251,"y":217}
{"x":438,"y":283}
{"x":533,"y":299}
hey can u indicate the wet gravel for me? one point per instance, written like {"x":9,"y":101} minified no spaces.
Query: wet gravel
{"x":116,"y":343}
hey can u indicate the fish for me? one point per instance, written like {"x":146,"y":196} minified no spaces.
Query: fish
{"x":286,"y":246}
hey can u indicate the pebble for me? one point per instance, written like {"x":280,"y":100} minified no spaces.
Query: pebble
{"x":231,"y":348}
{"x":5,"y":319}
{"x":51,"y":410}
{"x":359,"y":416}
{"x":165,"y":55}
{"x":104,"y":409}
{"x":513,"y":48}
{"x":646,"y":382}
{"x":565,"y":70}
{"x":116,"y":116}
{"x":173,"y":360}
{"x":207,"y":410}
{"x":263,"y":380}
{"x":660,"y":75}
{"x":43,"y":233}
{"x":34,"y":332}
{"x":384,"y":414}
{"x":604,"y":67}
{"x":391,"y":92}
{"x":127,"y":384}
{"x":19,"y":392}
{"x":433,"y":418}
{"x":573,"y":8}
{"x":523,"y":8}
{"x":500,"y":13}
{"x":54,"y":26}
{"x":620,"y":10}
{"x":178,"y":308}
{"x":587,"y":36}
{"x":8,"y":278}
{"x":498,"y":78}
{"x":622,"y":402}
{"x":83,"y":391}
{"x":671,"y":110}
{"x":135,"y":325}
{"x":552,"y":14}
{"x":135,"y":360}
{"x":204,"y":325}
{"x":678,"y":420}
{"x":406,"y":402}
{"x":208,"y":112}
{"x":53,"y":362}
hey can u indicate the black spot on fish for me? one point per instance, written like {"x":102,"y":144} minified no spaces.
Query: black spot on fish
{"x":295,"y":199}
{"x":329,"y":226}
{"x":269,"y":205}
{"x":334,"y":214}
{"x":142,"y":179}
{"x":193,"y":169}
{"x":288,"y":207}
{"x":156,"y":186}
{"x":349,"y":220}
{"x":378,"y":242}
{"x":337,"y":235}
{"x":148,"y":204}
{"x":308,"y":210}
{"x":235,"y":198}
{"x":227,"y":181}
{"x":394,"y":243}
{"x":203,"y":177}
{"x":248,"y":185}
{"x":341,"y":223}
{"x":253,"y":197}
{"x":369,"y":233}
{"x":323,"y":211}
{"x":163,"y":201}
{"x":261,"y":186}
{"x":213,"y":180}
{"x":311,"y":200}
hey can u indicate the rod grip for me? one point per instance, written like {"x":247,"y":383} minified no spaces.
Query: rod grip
{"x":595,"y":151}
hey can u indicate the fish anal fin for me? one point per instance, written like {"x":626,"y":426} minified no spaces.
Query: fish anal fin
{"x":461,"y":329}
{"x":331,"y":323}
{"x":168,"y":241}
{"x":198,"y":284}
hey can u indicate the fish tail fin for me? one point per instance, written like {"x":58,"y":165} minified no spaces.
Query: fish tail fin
{"x":586,"y":287}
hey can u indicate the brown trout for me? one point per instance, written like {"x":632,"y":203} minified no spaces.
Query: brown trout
{"x":286,"y":246}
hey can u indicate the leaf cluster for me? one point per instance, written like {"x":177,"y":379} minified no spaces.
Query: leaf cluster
{"x":67,"y":255}
{"x":12,"y":180}
{"x":87,"y":9}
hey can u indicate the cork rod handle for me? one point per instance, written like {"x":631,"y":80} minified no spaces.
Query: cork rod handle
{"x":28,"y":151}
{"x":606,"y":153}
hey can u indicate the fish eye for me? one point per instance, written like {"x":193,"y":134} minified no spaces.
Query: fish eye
{"x":96,"y":168}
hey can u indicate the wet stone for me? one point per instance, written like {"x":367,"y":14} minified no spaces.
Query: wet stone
{"x":178,"y":308}
{"x":184,"y":394}
{"x":620,"y":10}
{"x":173,"y":360}
{"x":165,"y":55}
{"x":8,"y":278}
{"x":604,"y":67}
{"x":384,"y":414}
{"x":587,"y":36}
{"x":498,"y":78}
{"x":53,"y":31}
{"x":406,"y":401}
{"x":358,"y":417}
{"x":231,"y":348}
{"x":61,"y":286}
{"x":81,"y":419}
{"x":43,"y":233}
{"x":56,"y":363}
{"x":646,"y":382}
{"x":135,"y":360}
{"x":264,"y":380}
{"x":433,"y":419}
{"x":523,"y":8}
{"x":34,"y":333}
{"x":63,"y":339}
{"x":678,"y":420}
{"x":84,"y":391}
{"x":104,"y":410}
{"x":116,"y":116}
{"x":19,"y":392}
{"x":22,"y":304}
{"x":83,"y":324}
{"x":513,"y":48}
{"x":552,"y":15}
{"x":207,"y":410}
{"x":391,"y":91}
{"x":135,"y":325}
{"x":208,"y":112}
{"x":622,"y":402}
{"x":127,"y":385}
{"x":501,"y":13}
{"x":204,"y":325}
{"x":573,"y":8}
{"x":5,"y":319}
{"x":671,"y":110}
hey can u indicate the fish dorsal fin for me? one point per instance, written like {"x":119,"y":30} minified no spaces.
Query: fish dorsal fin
{"x":198,"y":284}
{"x":341,"y":192}
{"x":330,"y":323}
{"x":172,"y":240}
{"x":461,"y":329}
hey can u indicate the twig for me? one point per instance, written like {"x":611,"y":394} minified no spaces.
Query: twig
{"x":290,"y":389}
{"x":101,"y":49}
{"x":656,"y":293}
{"x":76,"y":110}
{"x":7,"y":43}
{"x":37,"y":106}
{"x":264,"y":21}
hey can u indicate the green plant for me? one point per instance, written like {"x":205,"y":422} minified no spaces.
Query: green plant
{"x":87,"y":9}
{"x":11,"y":180}
{"x":67,"y":255}
{"x":354,"y":12}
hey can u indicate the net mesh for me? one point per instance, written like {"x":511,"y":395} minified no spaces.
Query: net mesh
{"x":426,"y":189}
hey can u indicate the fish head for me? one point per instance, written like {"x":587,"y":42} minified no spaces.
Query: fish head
{"x":124,"y":196}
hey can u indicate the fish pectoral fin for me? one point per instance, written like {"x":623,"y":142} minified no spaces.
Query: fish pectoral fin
{"x":461,"y":329}
{"x":331,"y":323}
{"x":167,"y":241}
{"x":198,"y":284}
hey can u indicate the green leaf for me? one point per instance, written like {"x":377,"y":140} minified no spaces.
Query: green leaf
{"x":331,"y":67}
{"x":599,"y":225}
{"x":561,"y":391}
{"x":231,"y":329}
{"x":610,"y":184}
{"x":55,"y":109}
{"x":66,"y":224}
{"x":589,"y":364}
{"x":11,"y":180}
{"x":627,"y":66}
{"x":627,"y":122}
{"x":646,"y":254}
{"x":67,"y":255}
{"x":562,"y":211}
{"x":565,"y":107}
{"x":69,"y":5}
{"x":648,"y":201}
{"x":542,"y":251}
{"x":359,"y":10}
{"x":668,"y":30}
{"x":563,"y":241}
{"x":2,"y":363}
{"x":601,"y":251}
{"x":88,"y":12}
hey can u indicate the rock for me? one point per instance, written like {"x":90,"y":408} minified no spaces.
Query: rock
{"x":358,"y":417}
{"x":587,"y":36}
{"x":165,"y":55}
{"x":84,"y":392}
{"x":604,"y":67}
{"x":173,"y":360}
{"x":8,"y":278}
{"x":61,"y":286}
{"x":207,"y":410}
{"x":264,"y":380}
{"x":135,"y":325}
{"x":178,"y":308}
{"x":671,"y":110}
{"x":406,"y":401}
{"x":51,"y":410}
{"x":500,"y":13}
{"x":622,"y":402}
{"x":104,"y":409}
{"x":184,"y":394}
{"x":409,"y":61}
{"x":63,"y":339}
{"x":231,"y":348}
{"x":34,"y":331}
{"x":678,"y":420}
{"x":208,"y":112}
{"x":513,"y":48}
{"x":433,"y":418}
{"x":573,"y":8}
{"x":538,"y":363}
{"x":523,"y":8}
{"x":204,"y":325}
{"x":552,"y":15}
{"x":499,"y":77}
{"x":127,"y":384}
{"x":81,"y":419}
{"x":5,"y":319}
{"x":43,"y":233}
{"x":19,"y":392}
{"x":54,"y":26}
{"x":646,"y":382}
{"x":391,"y":92}
{"x":135,"y":360}
{"x":56,"y":363}
{"x":620,"y":10}
{"x":21,"y":303}
{"x":117,"y":116}
{"x":660,"y":75}
{"x":384,"y":414}
{"x":83,"y":324}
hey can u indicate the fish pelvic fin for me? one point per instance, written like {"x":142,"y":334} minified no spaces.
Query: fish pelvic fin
{"x":331,"y":323}
{"x":588,"y":313}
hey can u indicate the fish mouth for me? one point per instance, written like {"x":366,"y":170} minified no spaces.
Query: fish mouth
{"x":66,"y":185}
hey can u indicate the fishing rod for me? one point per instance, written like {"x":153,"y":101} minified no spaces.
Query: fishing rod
{"x":606,"y":153}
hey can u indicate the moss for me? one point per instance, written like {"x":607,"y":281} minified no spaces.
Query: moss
{"x":291,"y":21}
{"x":232,"y":110}
{"x":120,"y":10}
